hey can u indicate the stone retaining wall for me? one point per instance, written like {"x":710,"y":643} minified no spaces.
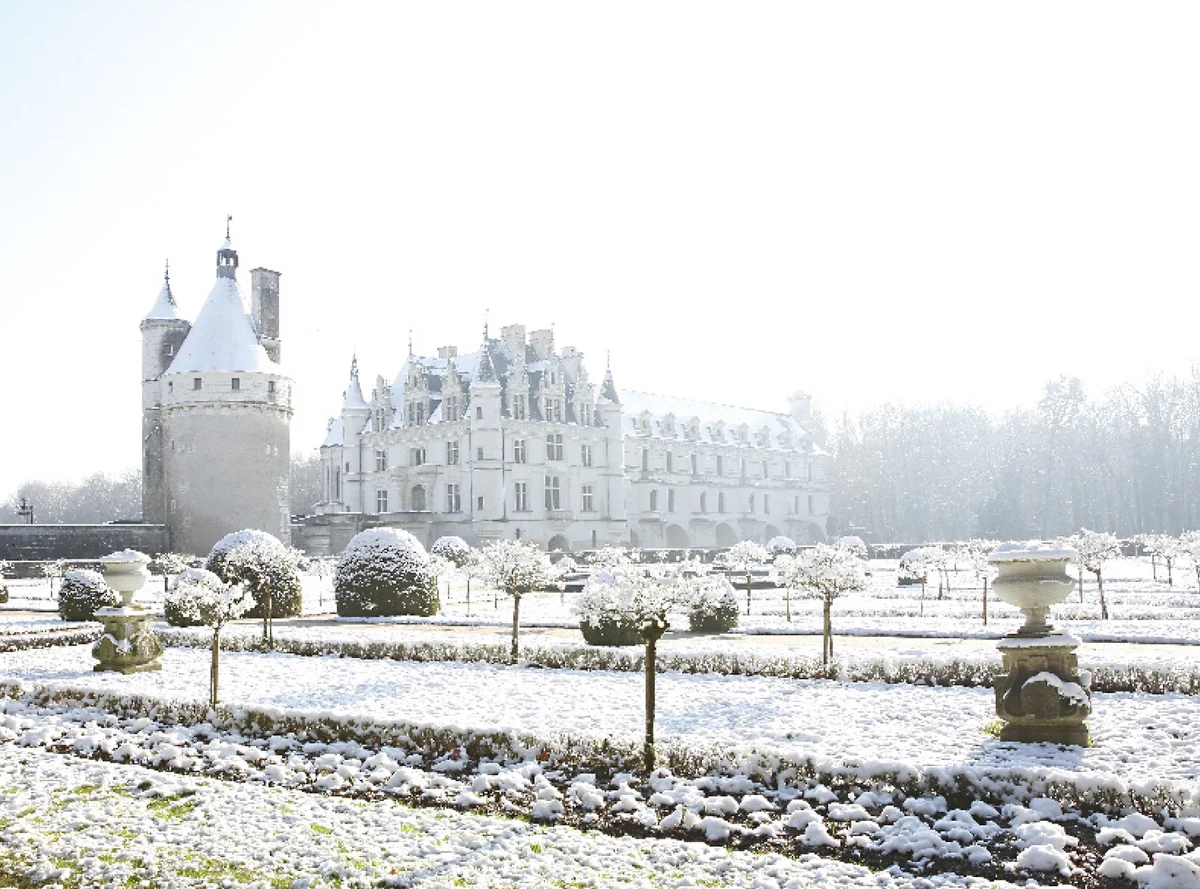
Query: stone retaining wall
{"x":40,"y":542}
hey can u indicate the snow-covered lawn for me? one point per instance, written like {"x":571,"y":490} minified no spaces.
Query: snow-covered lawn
{"x":20,"y":625}
{"x":1137,"y":737}
{"x":98,"y":824}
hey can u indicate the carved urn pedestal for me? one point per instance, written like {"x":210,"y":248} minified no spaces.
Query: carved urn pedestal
{"x":128,"y":645}
{"x":1042,"y":696}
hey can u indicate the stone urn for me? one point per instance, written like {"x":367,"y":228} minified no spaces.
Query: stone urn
{"x":1041,"y":695}
{"x":128,"y":645}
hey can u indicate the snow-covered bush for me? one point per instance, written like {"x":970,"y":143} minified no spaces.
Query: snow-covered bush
{"x":454,"y":550}
{"x":81,"y":593}
{"x":264,"y":566}
{"x":781,"y":546}
{"x":384,"y":572}
{"x":742,"y":559}
{"x":855,"y":545}
{"x":175,"y":615}
{"x":170,"y":563}
{"x":712,"y":604}
{"x":614,"y":557}
{"x":603,"y":615}
{"x":825,"y":572}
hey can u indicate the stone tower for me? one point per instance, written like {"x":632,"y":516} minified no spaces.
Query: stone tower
{"x":163,"y":332}
{"x":223,"y":412}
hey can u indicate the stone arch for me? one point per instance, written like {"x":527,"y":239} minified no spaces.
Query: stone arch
{"x":677,"y":538}
{"x":726,"y":536}
{"x":771,"y":531}
{"x":558,"y":542}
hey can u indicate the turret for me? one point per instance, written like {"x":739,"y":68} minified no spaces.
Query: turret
{"x":356,"y":414}
{"x":487,"y":440}
{"x":163,"y":331}
{"x":608,"y":413}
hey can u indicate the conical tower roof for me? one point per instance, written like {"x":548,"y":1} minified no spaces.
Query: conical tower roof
{"x":353,"y":399}
{"x":165,"y":308}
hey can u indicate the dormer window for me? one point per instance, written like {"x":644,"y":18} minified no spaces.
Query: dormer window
{"x":197,"y":383}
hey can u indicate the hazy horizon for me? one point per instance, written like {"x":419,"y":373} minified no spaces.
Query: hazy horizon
{"x":872,"y":204}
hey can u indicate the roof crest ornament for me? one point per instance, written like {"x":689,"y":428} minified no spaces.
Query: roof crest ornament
{"x":228,"y":219}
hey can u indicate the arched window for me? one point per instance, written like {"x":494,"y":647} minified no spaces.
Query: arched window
{"x":418,"y":498}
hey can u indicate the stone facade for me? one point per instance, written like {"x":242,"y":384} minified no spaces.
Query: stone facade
{"x":515,"y":441}
{"x":216,"y":413}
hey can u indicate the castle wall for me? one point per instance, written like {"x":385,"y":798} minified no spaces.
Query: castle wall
{"x":39,"y":542}
{"x":227,"y":469}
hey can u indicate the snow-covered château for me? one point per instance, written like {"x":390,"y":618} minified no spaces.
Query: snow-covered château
{"x":216,"y":410}
{"x":515,"y":440}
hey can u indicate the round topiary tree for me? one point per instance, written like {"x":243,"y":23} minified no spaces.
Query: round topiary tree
{"x":181,"y":615}
{"x":713,"y":604}
{"x":262,"y":565}
{"x":384,"y":572}
{"x":453,"y":549}
{"x":604,"y":615}
{"x":81,"y":593}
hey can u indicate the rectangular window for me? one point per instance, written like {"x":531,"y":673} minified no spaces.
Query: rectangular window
{"x":453,"y":498}
{"x":721,"y":501}
{"x":586,"y":455}
{"x":418,"y":457}
{"x":235,"y":384}
{"x":270,"y":390}
{"x":380,"y":459}
{"x":479,"y":413}
{"x":554,"y":446}
{"x":766,"y":470}
{"x":720,"y":465}
{"x":518,"y":407}
{"x":558,"y":415}
{"x":787,"y":470}
{"x":452,"y":453}
{"x":812,"y":505}
{"x":519,"y":452}
{"x":767,"y":503}
{"x":553,"y":492}
{"x":479,"y":503}
{"x":450,"y":411}
{"x":695,"y":465}
{"x":796,"y":505}
{"x":521,"y":497}
{"x":645,"y":459}
{"x":588,"y":500}
{"x":670,"y":462}
{"x":381,"y":501}
{"x":479,"y":453}
{"x":670,"y":499}
{"x":197,"y":383}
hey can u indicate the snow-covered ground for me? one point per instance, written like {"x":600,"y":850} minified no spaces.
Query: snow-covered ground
{"x":1137,"y":737}
{"x":98,"y":824}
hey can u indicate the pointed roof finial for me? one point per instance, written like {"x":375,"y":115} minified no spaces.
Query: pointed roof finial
{"x":608,"y":359}
{"x":167,"y":273}
{"x":485,"y":324}
{"x":410,"y":352}
{"x":228,"y":219}
{"x":354,"y":364}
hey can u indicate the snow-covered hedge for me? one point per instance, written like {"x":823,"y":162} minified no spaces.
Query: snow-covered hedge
{"x":385,"y":572}
{"x":82,"y":636}
{"x":81,"y":593}
{"x":263,"y":565}
{"x":714,"y":605}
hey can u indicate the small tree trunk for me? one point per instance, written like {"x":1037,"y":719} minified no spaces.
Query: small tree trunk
{"x":1170,"y":578}
{"x":268,"y":623}
{"x":166,"y":587}
{"x":922,"y":597}
{"x":985,"y":586}
{"x":213,"y":670}
{"x":1154,"y":565}
{"x":747,"y":593}
{"x":468,"y":595}
{"x":827,"y":648}
{"x":787,"y":600}
{"x":1080,"y":583}
{"x":648,"y":747}
{"x":516,"y":628}
{"x":1103,"y":604}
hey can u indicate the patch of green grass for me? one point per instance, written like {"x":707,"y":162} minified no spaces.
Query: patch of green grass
{"x":321,"y":828}
{"x":217,"y":869}
{"x":85,"y":788}
{"x":993,"y":728}
{"x":536,"y":848}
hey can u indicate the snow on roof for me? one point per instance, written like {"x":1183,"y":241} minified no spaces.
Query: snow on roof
{"x":336,"y":435}
{"x":223,"y":337}
{"x":635,"y":404}
{"x":165,"y":308}
{"x":353,"y":399}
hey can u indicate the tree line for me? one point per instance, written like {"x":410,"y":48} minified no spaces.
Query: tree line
{"x":1125,"y":462}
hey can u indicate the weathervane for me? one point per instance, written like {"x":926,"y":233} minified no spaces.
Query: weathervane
{"x":167,"y":273}
{"x":228,"y":219}
{"x":485,"y":324}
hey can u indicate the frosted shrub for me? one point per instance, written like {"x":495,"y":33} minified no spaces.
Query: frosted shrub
{"x":781,"y":546}
{"x":385,"y":572}
{"x":172,"y":612}
{"x":603,"y":614}
{"x":170,"y":563}
{"x":742,"y":559}
{"x":713,"y":605}
{"x":81,"y":593}
{"x":517,"y":568}
{"x":453,"y":549}
{"x":264,"y":566}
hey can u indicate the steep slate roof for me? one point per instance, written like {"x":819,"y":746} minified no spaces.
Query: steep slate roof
{"x":223,"y":337}
{"x":165,"y":308}
{"x":709,"y":413}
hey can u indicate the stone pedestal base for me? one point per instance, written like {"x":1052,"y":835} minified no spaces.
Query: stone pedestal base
{"x":1042,"y":697}
{"x":128,"y":644}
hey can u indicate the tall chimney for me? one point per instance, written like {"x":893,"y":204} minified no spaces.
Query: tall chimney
{"x":264,"y":303}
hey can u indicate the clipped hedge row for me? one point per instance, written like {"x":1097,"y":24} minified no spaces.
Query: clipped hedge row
{"x":970,"y":674}
{"x":85,"y":636}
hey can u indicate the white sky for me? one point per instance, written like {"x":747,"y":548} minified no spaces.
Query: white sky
{"x":871,"y":202}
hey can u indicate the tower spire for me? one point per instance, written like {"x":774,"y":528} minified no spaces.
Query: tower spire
{"x":228,"y":219}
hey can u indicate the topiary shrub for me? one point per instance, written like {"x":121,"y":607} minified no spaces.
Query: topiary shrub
{"x":81,"y":593}
{"x":453,"y":549}
{"x":385,"y":572}
{"x":263,"y":566}
{"x":610,"y":632}
{"x":174,"y":614}
{"x":714,"y":607}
